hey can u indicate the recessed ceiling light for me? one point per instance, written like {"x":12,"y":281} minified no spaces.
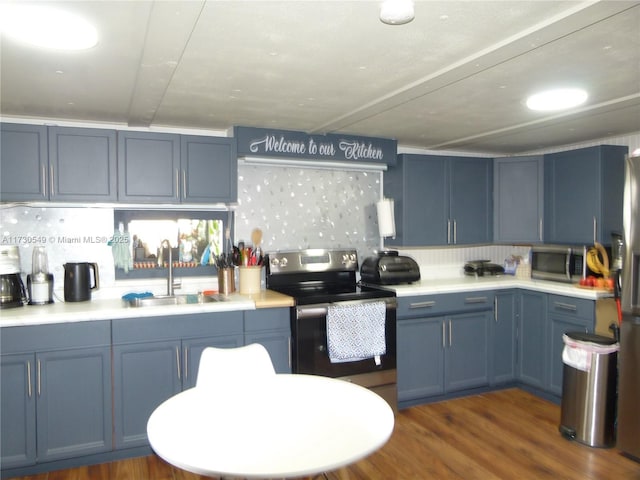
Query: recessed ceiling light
{"x":396,"y":12}
{"x":47,"y":27}
{"x":559,"y":99}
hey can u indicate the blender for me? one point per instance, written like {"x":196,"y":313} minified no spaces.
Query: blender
{"x":40,"y":282}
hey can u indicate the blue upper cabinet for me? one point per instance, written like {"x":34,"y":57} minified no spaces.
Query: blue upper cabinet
{"x":440,"y":200}
{"x":148,"y":167}
{"x":167,"y":168}
{"x":58,"y":163}
{"x":209,"y":169}
{"x":82,"y":164}
{"x":24,"y":166}
{"x":518,"y":199}
{"x":584,"y":194}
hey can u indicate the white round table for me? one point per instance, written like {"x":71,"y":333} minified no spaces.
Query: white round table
{"x":286,"y":426}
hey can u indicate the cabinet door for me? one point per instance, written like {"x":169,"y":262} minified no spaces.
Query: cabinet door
{"x":420,"y":358}
{"x":148,"y":167}
{"x":584,"y":194}
{"x":531,"y":338}
{"x":192,"y":351}
{"x":518,"y":199}
{"x":144,"y":376}
{"x":471,"y":200}
{"x":82,"y":164}
{"x":467,"y":351}
{"x":418,"y":183}
{"x":503,"y":338}
{"x":74,"y":403}
{"x":209,"y":169}
{"x":24,"y":164}
{"x":18,"y":427}
{"x":278,"y":344}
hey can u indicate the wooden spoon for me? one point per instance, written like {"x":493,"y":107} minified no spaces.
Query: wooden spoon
{"x":256,"y":239}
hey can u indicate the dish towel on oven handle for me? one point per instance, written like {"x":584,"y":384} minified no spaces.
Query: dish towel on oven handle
{"x":356,"y":331}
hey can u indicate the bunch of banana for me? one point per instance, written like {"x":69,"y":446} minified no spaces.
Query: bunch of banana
{"x":595,"y":264}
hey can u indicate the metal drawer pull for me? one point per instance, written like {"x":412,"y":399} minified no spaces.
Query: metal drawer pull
{"x":566,"y":306}
{"x":476,"y":300}
{"x":428,"y":304}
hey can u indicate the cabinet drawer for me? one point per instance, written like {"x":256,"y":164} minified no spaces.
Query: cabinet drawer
{"x":57,"y":336}
{"x":149,"y":329}
{"x":266,"y":319}
{"x":574,"y":307}
{"x":431,"y":305}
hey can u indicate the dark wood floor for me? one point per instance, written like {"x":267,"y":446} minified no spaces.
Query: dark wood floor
{"x":508,"y":434}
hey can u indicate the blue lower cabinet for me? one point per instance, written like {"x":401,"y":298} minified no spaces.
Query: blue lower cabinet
{"x":442,"y":354}
{"x":420,"y":361}
{"x":532,"y":336}
{"x":467,"y":351}
{"x":74,"y":403}
{"x":56,"y":401}
{"x":503,"y":338}
{"x":270,"y":327}
{"x":17,"y":377}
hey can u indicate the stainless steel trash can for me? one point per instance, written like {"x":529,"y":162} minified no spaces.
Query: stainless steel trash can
{"x":588,"y":406}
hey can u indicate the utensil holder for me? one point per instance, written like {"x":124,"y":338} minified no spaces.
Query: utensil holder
{"x":250,"y":279}
{"x":226,"y":280}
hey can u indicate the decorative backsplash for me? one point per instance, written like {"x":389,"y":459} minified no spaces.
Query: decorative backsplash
{"x":68,"y":235}
{"x":300,"y":208}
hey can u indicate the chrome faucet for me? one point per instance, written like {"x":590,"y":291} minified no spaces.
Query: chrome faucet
{"x":171,"y":283}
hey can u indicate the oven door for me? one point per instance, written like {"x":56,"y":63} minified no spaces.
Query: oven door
{"x":310,"y":352}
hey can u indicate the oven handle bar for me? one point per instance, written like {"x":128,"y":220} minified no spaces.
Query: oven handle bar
{"x":320,"y":309}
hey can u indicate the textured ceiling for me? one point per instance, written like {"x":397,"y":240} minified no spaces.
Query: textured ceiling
{"x":453,"y":79}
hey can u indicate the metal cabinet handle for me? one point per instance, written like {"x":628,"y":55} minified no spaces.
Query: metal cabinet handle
{"x":186,"y":363}
{"x":29,"y":378}
{"x":476,"y":300}
{"x":178,"y":362}
{"x":595,"y":229}
{"x":495,"y":309}
{"x":448,"y":232}
{"x":455,"y":232}
{"x":184,"y":184}
{"x":39,"y":376}
{"x":444,"y":336}
{"x":540,"y":229}
{"x":450,"y":336}
{"x":177,"y":184}
{"x":289,"y":352}
{"x":566,"y":306}
{"x":51,"y":181}
{"x":44,"y":180}
{"x":428,"y":304}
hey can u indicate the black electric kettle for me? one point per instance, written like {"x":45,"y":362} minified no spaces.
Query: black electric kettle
{"x":77,"y":281}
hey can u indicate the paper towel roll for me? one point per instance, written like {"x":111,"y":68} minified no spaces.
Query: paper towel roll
{"x":386,"y":221}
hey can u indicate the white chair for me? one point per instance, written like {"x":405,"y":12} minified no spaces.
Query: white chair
{"x":233,"y":367}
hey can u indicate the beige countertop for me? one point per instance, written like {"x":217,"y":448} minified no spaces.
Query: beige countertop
{"x":468,"y":284}
{"x":110,"y":309}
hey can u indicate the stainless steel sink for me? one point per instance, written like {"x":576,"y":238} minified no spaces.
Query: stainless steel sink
{"x":161,"y":300}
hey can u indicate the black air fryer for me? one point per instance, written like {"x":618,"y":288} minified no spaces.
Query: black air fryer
{"x":389,"y":268}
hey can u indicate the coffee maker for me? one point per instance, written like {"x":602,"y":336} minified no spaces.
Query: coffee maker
{"x":12,"y":293}
{"x":40,"y":282}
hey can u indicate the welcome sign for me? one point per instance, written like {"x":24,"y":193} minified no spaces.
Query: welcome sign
{"x":266,"y":142}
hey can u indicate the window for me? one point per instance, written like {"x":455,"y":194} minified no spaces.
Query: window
{"x":196,"y":237}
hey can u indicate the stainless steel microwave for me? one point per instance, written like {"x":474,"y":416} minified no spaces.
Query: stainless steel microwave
{"x":559,"y":263}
